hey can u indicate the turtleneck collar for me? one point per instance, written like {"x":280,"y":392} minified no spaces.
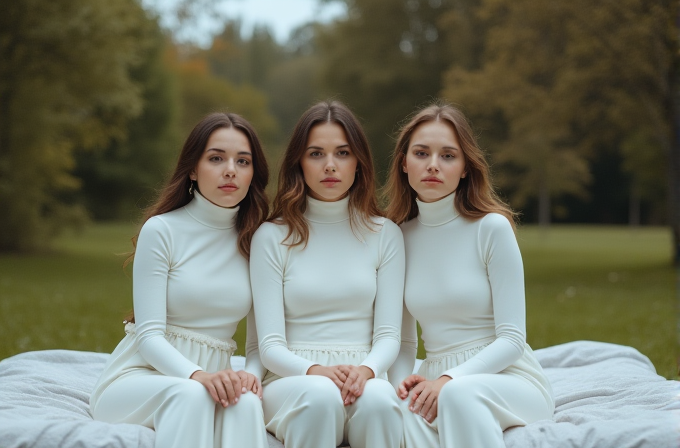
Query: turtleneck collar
{"x":209,"y":214}
{"x":437,"y":213}
{"x":327,"y":212}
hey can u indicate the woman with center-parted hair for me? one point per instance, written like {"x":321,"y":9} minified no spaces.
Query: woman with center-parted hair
{"x":172,"y":370}
{"x":327,"y":273}
{"x":465,"y":286}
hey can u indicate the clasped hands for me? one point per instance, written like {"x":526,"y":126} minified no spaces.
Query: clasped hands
{"x":424,"y":395}
{"x":226,"y":386}
{"x":349,"y":379}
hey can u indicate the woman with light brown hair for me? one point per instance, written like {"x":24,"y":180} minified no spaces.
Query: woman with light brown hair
{"x":172,"y":370}
{"x":465,"y":286}
{"x":327,"y":273}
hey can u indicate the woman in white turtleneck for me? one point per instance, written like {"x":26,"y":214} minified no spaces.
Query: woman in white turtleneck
{"x":465,"y":286}
{"x":172,"y":371}
{"x":327,"y":275}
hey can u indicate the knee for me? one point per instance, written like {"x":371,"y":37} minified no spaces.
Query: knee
{"x":321,"y":394}
{"x":379,"y":397}
{"x":460,"y":394}
{"x":189,"y":393}
{"x":249,"y":401}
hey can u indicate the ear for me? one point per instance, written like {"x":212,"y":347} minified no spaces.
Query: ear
{"x":403,"y":164}
{"x":462,"y":176}
{"x":192,"y":175}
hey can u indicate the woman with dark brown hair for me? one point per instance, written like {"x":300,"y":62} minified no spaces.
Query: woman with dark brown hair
{"x":327,"y":274}
{"x":465,"y":286}
{"x":191,"y":287}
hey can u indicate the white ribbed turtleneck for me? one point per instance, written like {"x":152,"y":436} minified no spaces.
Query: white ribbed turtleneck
{"x":188,"y":272}
{"x":465,"y":286}
{"x":338,"y":290}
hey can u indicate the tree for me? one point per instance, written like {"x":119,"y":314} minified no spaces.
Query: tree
{"x":119,"y":180}
{"x":202,"y":93}
{"x":64,"y":82}
{"x":566,"y":82}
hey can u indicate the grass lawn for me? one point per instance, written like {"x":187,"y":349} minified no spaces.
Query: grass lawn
{"x":608,"y":284}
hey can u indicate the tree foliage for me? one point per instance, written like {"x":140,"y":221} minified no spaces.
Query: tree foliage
{"x":118,"y":181}
{"x":563,"y":83}
{"x":64,"y":82}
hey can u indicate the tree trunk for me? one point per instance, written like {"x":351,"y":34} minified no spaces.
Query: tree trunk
{"x":543,"y":206}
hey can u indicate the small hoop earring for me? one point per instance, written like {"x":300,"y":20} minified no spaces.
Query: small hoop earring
{"x":191,"y":187}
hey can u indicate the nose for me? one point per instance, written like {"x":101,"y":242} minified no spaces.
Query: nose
{"x":230,"y":168}
{"x":330,"y":165}
{"x":433,"y":167}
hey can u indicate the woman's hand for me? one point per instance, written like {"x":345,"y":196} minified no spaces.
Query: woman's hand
{"x":335,"y":373}
{"x":250,"y":383}
{"x":424,"y":397}
{"x":408,"y":384}
{"x":224,"y":386}
{"x":356,"y":380}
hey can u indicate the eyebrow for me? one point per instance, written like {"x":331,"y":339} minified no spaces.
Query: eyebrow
{"x":337,"y":147}
{"x":420,"y":145}
{"x":241,"y":153}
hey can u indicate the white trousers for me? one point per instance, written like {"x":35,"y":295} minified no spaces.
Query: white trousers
{"x":182,"y":412}
{"x":473,"y":411}
{"x":307,"y":412}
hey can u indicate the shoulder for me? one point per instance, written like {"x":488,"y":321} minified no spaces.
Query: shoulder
{"x":389,"y":227}
{"x":270,"y":232}
{"x":156,"y":225}
{"x":495,"y":223}
{"x":409,"y":225}
{"x":495,"y":231}
{"x":382,"y":226}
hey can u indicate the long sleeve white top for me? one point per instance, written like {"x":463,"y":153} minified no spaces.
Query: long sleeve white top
{"x":465,"y":286}
{"x":344,"y":288}
{"x":188,"y":272}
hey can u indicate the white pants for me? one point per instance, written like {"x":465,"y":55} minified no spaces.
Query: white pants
{"x":182,"y":412}
{"x":473,"y":411}
{"x":307,"y":412}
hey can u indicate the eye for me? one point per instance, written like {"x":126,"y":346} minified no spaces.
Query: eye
{"x":244,"y":162}
{"x":315,"y":154}
{"x":420,"y":153}
{"x":343,"y":153}
{"x":448,"y":156}
{"x":215,"y":159}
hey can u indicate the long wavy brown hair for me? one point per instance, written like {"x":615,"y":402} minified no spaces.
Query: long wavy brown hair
{"x":253,"y":209}
{"x":475,"y":195}
{"x":290,"y":202}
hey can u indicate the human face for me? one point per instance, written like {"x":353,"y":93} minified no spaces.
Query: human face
{"x":328,"y":164}
{"x":224,"y":172}
{"x":434,"y":161}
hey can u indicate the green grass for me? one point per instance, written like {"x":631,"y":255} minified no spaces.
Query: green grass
{"x":608,"y":284}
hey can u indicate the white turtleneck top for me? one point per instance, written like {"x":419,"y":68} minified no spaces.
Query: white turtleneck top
{"x":465,"y":286}
{"x":344,"y":289}
{"x":188,"y":272}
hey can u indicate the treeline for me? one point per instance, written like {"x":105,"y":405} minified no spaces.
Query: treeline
{"x":573,"y":100}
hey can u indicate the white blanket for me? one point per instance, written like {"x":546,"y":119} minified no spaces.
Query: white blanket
{"x":607,"y":396}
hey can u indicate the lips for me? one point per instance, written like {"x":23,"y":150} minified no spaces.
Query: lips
{"x":330,"y":181}
{"x":433,"y":180}
{"x":228,"y":187}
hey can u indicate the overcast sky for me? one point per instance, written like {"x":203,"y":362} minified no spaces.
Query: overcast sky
{"x":281,"y":16}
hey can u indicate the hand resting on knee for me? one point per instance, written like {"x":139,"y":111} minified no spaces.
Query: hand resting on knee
{"x":226,"y":386}
{"x":424,"y":394}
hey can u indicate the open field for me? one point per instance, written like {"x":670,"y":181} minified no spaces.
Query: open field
{"x":609,"y":284}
